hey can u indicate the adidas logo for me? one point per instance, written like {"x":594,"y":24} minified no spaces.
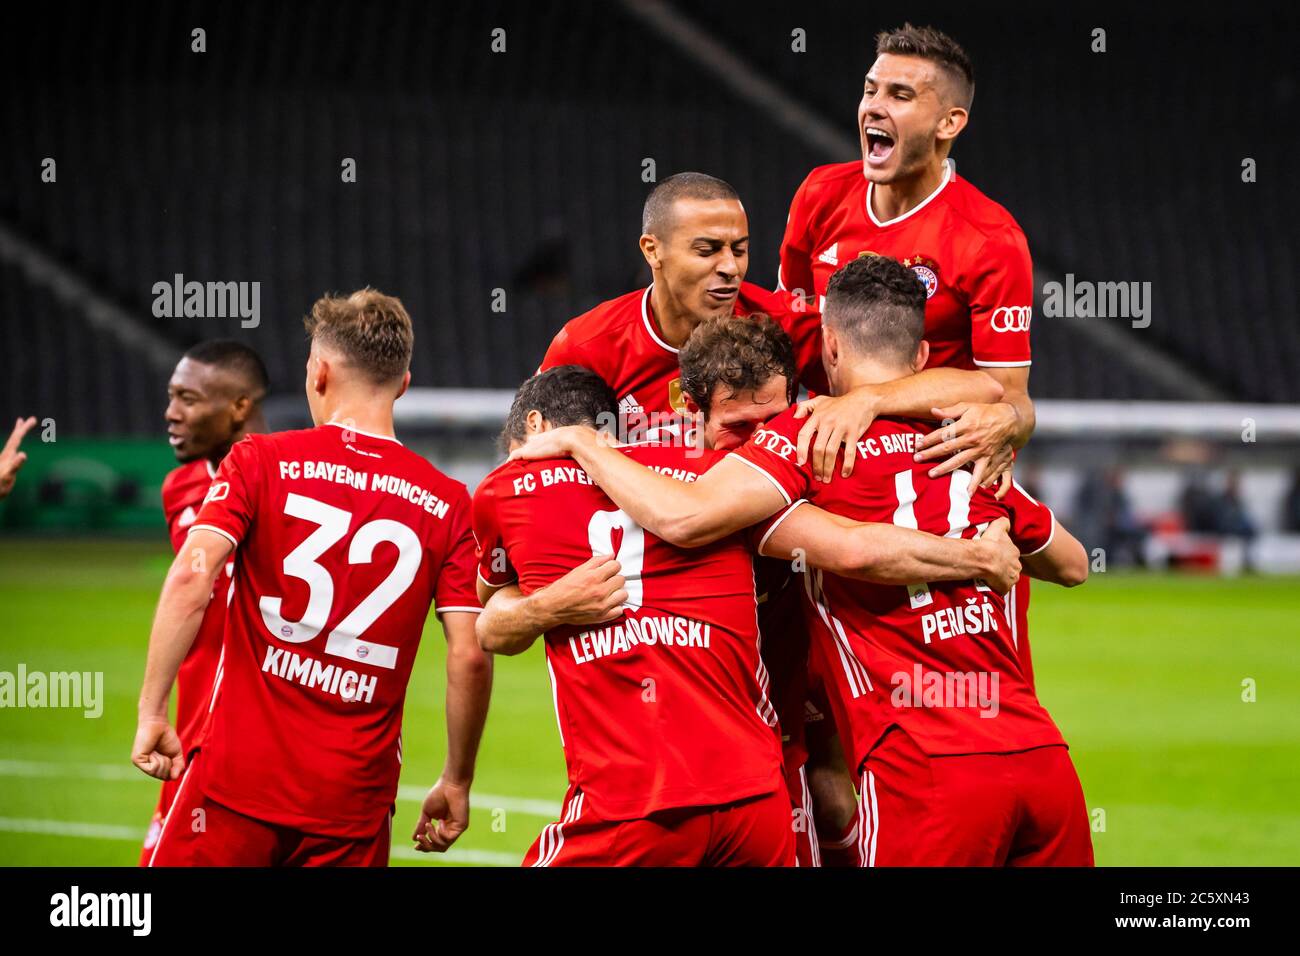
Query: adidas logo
{"x":628,"y":405}
{"x":831,"y":255}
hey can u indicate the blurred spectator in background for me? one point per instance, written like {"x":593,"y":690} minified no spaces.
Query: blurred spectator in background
{"x":1197,"y":503}
{"x":1291,"y":505}
{"x":1106,"y":518}
{"x":1230,"y":514}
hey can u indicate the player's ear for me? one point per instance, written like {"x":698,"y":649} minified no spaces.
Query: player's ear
{"x":952,"y":123}
{"x":691,"y":405}
{"x":406,"y":383}
{"x":650,"y":249}
{"x":241,"y":409}
{"x":922,"y":356}
{"x":534,"y":423}
{"x":830,"y":344}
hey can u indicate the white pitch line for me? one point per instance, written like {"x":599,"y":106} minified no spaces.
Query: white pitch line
{"x":107,"y":831}
{"x":70,"y":828}
{"x":94,"y":771}
{"x":525,"y":806}
{"x":492,"y":801}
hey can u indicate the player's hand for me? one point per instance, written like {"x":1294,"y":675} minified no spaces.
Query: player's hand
{"x":836,"y":422}
{"x":556,"y":443}
{"x":1001,"y":557}
{"x":973,"y":433}
{"x":157,"y":749}
{"x":443,"y":817}
{"x":11,"y":459}
{"x":592,"y":593}
{"x":999,"y":468}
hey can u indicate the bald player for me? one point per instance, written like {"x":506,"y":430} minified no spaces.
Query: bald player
{"x":214,"y":399}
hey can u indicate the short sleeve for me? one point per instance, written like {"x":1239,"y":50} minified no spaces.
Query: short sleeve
{"x":494,"y":567}
{"x":232,"y":497}
{"x":771,"y":451}
{"x":1032,"y":522}
{"x":803,"y":323}
{"x":563,"y":351}
{"x":173,"y":509}
{"x":1002,"y":301}
{"x":455,"y":590}
{"x":756,"y":535}
{"x":796,"y":245}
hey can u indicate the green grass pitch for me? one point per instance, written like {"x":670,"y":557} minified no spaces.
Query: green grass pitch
{"x":1145,"y":676}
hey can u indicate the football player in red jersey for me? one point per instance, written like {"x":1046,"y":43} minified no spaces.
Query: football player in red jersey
{"x":905,"y":200}
{"x":214,"y":399}
{"x":695,"y":239}
{"x":925,"y":763}
{"x":649,"y":785}
{"x":344,"y":539}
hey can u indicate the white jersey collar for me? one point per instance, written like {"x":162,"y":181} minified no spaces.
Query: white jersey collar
{"x":649,"y":324}
{"x":871,"y":213}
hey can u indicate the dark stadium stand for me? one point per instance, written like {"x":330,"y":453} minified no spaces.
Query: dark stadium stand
{"x":1111,"y":180}
{"x":479,"y":171}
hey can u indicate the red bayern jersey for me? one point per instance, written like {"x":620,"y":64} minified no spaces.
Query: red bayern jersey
{"x":619,"y":340}
{"x":666,"y":706}
{"x":967,"y":250}
{"x":891,"y":649}
{"x":784,"y":634}
{"x":343,"y":539}
{"x":183,"y":491}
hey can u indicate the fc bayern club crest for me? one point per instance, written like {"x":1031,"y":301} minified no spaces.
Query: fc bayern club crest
{"x":927,"y":270}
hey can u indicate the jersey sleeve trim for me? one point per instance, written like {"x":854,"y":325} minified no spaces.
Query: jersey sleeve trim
{"x":468,"y":610}
{"x":776,"y":484}
{"x":1050,"y":536}
{"x":494,"y":584}
{"x":1002,"y":364}
{"x":211,"y":527}
{"x":762,"y":543}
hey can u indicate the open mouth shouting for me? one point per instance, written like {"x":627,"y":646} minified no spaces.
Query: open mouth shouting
{"x":880,"y":145}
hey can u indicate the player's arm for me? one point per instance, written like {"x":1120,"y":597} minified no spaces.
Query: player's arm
{"x":1063,"y":560}
{"x":987,"y":434}
{"x":445,"y":813}
{"x":591,"y":593}
{"x":184,"y":599}
{"x":887,"y":554}
{"x":728,"y":497}
{"x":841,"y":421}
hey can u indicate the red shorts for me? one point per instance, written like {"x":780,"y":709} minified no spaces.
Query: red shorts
{"x":806,"y":851}
{"x":165,"y":799}
{"x":752,"y":832}
{"x":1013,"y":809}
{"x":198,"y":831}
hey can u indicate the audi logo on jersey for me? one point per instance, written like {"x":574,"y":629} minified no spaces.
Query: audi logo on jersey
{"x":777,"y":444}
{"x":1012,"y":318}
